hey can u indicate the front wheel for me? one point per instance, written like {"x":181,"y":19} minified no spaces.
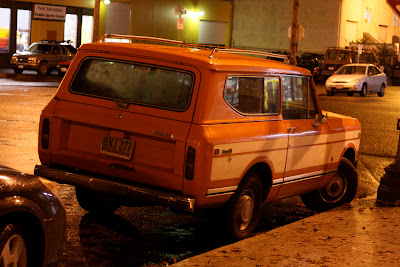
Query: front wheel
{"x":363,"y":91}
{"x":341,"y":189}
{"x":43,"y":69}
{"x":13,"y":246}
{"x":96,"y":202}
{"x":18,"y":70}
{"x":382,"y":90}
{"x":244,"y":208}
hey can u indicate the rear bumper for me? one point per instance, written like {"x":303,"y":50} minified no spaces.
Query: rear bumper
{"x":128,"y":191}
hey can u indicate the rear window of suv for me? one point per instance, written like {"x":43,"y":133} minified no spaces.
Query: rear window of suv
{"x":134,"y":82}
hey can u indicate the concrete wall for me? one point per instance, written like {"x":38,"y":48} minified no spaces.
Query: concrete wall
{"x":263,"y":25}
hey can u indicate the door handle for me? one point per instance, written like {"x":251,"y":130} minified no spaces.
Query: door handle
{"x":291,"y":129}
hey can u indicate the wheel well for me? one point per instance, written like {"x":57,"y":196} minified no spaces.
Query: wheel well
{"x":34,"y":231}
{"x":265,"y":174}
{"x":350,"y":155}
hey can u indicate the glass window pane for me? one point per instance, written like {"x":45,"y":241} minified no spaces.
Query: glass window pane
{"x":4,"y":29}
{"x":23,"y":30}
{"x":87,"y":29}
{"x":131,"y":82}
{"x":297,"y":100}
{"x":71,"y":28}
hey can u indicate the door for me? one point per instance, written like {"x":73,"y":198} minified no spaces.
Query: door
{"x":308,"y":155}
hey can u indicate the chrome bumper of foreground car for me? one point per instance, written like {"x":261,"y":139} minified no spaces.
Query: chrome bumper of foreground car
{"x":127,"y":191}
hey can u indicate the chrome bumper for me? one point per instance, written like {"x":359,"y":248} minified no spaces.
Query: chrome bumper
{"x":127,"y":191}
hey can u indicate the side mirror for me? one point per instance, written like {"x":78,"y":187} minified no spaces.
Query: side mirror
{"x":319,"y":118}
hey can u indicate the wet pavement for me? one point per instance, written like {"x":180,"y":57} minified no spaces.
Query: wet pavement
{"x":358,"y":234}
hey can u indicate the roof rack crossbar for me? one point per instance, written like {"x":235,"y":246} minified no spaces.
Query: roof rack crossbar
{"x":248,"y":52}
{"x":137,"y":37}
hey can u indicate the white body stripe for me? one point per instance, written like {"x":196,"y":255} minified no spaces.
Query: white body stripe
{"x":310,"y":151}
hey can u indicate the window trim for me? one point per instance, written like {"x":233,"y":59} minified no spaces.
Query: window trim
{"x":189,"y":102}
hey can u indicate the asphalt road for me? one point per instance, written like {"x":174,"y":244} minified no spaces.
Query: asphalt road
{"x":139,"y":236}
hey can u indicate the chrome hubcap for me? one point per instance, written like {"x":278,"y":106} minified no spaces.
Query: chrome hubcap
{"x":14,"y":252}
{"x":245,"y":211}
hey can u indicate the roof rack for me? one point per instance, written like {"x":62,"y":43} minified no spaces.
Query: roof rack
{"x":56,"y":42}
{"x":215,"y":49}
{"x":249,"y":52}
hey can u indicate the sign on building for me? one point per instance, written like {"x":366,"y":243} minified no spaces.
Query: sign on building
{"x":47,"y":12}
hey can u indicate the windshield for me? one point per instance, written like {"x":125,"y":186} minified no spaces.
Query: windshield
{"x":351,"y":70}
{"x":41,"y":48}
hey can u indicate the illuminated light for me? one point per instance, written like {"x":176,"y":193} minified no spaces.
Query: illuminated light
{"x":106,"y":2}
{"x":200,"y":13}
{"x":4,"y":177}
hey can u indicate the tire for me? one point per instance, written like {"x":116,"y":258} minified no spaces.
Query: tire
{"x":244,"y":208}
{"x":341,"y":189}
{"x":96,"y":202}
{"x":364,"y":90}
{"x":43,"y":69}
{"x":18,"y":71}
{"x":13,"y":245}
{"x":382,"y":90}
{"x":350,"y":94}
{"x":330,"y":93}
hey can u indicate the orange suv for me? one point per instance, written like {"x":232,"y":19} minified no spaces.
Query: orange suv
{"x":194,"y":128}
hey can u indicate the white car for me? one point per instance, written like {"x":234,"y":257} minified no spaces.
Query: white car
{"x":357,"y":78}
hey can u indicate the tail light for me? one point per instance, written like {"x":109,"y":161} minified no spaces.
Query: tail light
{"x":190,"y":159}
{"x":45,"y":133}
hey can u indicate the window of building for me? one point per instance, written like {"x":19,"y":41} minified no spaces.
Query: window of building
{"x":23,"y":30}
{"x":298,"y":100}
{"x":87,"y":29}
{"x":71,"y":28}
{"x":253,"y":95}
{"x":395,"y":20}
{"x":5,"y":14}
{"x":368,"y":15}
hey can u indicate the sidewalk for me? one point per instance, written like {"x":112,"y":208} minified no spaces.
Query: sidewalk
{"x":358,"y":234}
{"x":28,"y":78}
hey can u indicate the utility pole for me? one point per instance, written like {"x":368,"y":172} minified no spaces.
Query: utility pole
{"x":96,"y":15}
{"x":294,"y":37}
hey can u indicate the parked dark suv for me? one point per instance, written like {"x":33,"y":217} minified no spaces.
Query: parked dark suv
{"x":42,"y":56}
{"x":336,"y":57}
{"x":314,"y":63}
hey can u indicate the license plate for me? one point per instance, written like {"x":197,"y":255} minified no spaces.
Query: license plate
{"x":339,"y":86}
{"x":331,"y":68}
{"x":64,"y":69}
{"x":20,"y":66}
{"x":118,"y":147}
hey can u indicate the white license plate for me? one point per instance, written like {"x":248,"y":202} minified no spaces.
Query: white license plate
{"x":118,"y":147}
{"x":20,"y":66}
{"x":331,"y":68}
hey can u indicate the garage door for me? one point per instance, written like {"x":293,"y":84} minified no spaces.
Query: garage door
{"x":212,"y":32}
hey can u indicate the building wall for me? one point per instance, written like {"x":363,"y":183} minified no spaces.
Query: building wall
{"x":156,"y":18}
{"x":263,"y":25}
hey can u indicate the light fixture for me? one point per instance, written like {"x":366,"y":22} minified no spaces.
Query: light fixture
{"x":200,"y":13}
{"x":106,"y":2}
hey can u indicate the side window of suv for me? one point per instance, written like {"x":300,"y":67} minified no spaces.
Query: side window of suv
{"x":56,"y":49}
{"x":298,"y":100}
{"x":253,"y":95}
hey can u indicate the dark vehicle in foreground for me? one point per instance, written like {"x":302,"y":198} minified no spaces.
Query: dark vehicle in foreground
{"x":357,"y":78}
{"x":42,"y":56}
{"x":336,"y":57}
{"x":314,"y":63}
{"x":32,"y":220}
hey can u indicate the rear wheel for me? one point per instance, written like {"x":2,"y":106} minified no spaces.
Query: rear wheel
{"x":330,"y":93}
{"x":244,"y":208}
{"x":13,"y":245}
{"x":96,"y":202}
{"x":382,"y":90}
{"x":363,"y":91}
{"x":350,"y":94}
{"x":341,"y":189}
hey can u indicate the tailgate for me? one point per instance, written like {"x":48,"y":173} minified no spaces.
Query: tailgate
{"x":124,"y":119}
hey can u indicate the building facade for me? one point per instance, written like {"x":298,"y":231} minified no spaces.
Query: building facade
{"x":251,"y":24}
